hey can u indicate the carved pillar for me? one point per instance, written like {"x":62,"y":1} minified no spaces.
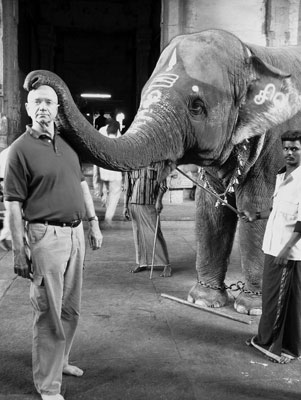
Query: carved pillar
{"x":282,"y":22}
{"x":172,"y":20}
{"x":9,"y":73}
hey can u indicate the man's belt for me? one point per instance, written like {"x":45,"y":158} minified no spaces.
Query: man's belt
{"x":71,"y":224}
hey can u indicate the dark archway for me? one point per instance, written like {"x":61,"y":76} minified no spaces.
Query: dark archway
{"x":94,"y":45}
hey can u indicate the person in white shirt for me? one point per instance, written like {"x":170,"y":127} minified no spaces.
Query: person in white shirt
{"x":279,"y":331}
{"x":5,"y":234}
{"x":107,"y":184}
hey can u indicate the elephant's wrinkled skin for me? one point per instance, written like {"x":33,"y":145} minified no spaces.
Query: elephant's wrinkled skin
{"x":218,"y":103}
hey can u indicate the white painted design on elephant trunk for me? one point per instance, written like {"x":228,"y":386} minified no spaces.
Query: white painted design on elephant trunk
{"x":160,"y":81}
{"x":172,"y":61}
{"x":151,"y":98}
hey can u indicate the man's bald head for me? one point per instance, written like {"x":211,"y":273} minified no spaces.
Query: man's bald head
{"x":42,"y":91}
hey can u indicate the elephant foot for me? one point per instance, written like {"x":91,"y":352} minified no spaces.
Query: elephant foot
{"x":208,"y":297}
{"x":248,"y":303}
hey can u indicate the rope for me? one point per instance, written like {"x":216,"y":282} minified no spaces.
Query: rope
{"x":219,"y":198}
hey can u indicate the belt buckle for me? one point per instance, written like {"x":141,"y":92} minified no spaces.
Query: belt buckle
{"x":75,"y":223}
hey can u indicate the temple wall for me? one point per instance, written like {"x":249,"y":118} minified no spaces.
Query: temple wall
{"x":263,"y":22}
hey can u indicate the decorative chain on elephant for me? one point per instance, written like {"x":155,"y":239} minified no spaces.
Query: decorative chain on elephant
{"x":219,"y":103}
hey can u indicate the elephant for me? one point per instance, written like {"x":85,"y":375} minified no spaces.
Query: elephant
{"x":219,"y":103}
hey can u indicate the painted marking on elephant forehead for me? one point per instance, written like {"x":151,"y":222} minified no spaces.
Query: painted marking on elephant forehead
{"x":172,"y":61}
{"x":164,"y":81}
{"x":160,"y":81}
{"x":269,"y":93}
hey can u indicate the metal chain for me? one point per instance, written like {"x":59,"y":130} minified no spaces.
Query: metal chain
{"x":239,"y":285}
{"x":214,"y":287}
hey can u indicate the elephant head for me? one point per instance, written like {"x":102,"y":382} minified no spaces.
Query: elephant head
{"x":207,"y":94}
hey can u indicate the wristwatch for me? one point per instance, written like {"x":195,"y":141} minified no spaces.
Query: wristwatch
{"x":94,"y":218}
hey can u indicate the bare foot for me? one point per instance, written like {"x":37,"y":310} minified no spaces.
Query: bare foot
{"x":166,"y":272}
{"x":52,"y":397}
{"x":72,"y":370}
{"x":285,"y":360}
{"x":280,"y":360}
{"x":137,"y":269}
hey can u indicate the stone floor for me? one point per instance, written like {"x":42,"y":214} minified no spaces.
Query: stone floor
{"x":134,"y":344}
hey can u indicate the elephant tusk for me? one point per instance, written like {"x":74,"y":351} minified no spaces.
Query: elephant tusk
{"x":209,"y":191}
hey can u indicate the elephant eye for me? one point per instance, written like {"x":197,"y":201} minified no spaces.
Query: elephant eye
{"x":196,"y":106}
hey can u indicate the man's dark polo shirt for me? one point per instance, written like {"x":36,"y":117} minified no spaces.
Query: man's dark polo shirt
{"x":45,"y":175}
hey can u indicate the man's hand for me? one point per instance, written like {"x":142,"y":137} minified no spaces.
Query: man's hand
{"x":22,"y":264}
{"x":282,"y":258}
{"x":159,"y":206}
{"x":126,"y":213}
{"x":247,"y":216}
{"x":94,"y":235}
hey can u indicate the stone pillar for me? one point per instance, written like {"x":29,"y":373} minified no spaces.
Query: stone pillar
{"x":245,"y":19}
{"x":282,"y":22}
{"x":9,"y":73}
{"x":172,"y":20}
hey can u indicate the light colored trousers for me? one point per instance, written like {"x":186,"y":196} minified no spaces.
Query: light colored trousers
{"x":57,"y":255}
{"x":109,"y":190}
{"x":144,"y":218}
{"x":113,"y":195}
{"x":5,"y":233}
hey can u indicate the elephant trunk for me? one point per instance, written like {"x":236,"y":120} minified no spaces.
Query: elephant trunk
{"x":146,"y":140}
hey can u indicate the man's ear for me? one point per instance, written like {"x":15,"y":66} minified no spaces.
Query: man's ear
{"x":26,"y":107}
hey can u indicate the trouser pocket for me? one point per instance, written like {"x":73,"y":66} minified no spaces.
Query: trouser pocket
{"x":38,"y":295}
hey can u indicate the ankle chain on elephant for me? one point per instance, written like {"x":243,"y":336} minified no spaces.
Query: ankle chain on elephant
{"x":239,"y":285}
{"x":214,"y":287}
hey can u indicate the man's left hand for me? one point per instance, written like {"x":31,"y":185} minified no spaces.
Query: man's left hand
{"x":158,"y":207}
{"x":95,"y":236}
{"x":282,"y":257}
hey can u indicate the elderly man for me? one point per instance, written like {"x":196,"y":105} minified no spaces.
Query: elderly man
{"x":47,"y":197}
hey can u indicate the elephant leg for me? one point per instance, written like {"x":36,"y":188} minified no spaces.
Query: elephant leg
{"x":215,"y":229}
{"x":250,"y":240}
{"x":255,"y":194}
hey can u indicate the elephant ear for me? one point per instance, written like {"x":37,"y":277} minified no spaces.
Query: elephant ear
{"x":270,"y":99}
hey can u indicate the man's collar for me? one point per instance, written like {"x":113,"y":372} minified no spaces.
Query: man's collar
{"x":296,"y":171}
{"x":281,"y":170}
{"x":37,"y":135}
